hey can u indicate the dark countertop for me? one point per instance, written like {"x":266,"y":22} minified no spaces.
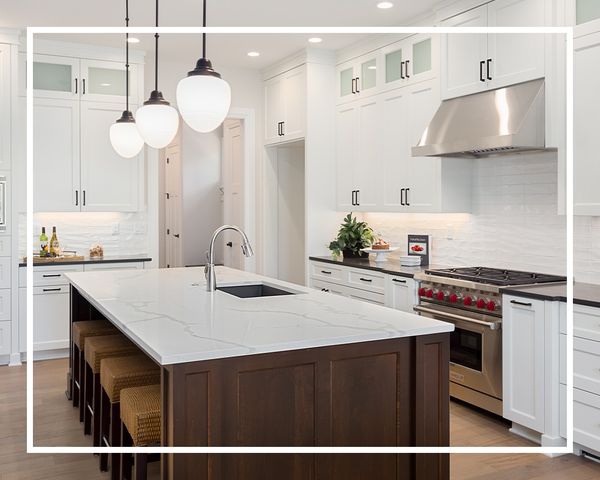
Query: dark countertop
{"x":105,"y":259}
{"x":392,"y":266}
{"x":583,"y":293}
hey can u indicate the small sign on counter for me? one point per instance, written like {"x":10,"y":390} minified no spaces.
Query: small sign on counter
{"x":420,"y":245}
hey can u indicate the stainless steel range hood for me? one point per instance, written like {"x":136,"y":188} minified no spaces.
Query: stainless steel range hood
{"x":502,"y":121}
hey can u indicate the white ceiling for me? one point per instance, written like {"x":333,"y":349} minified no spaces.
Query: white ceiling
{"x":223,"y":49}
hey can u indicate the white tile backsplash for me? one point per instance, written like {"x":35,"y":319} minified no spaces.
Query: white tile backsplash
{"x":513,"y":223}
{"x":118,"y":233}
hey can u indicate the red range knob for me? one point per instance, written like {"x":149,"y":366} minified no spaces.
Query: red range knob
{"x":491,"y":305}
{"x":422,"y":291}
{"x":440,"y":296}
{"x":481,"y":303}
{"x":468,"y":301}
{"x":453,"y":298}
{"x":429,"y":293}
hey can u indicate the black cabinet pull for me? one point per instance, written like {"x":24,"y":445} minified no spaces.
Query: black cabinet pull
{"x":357,"y":198}
{"x":84,"y":198}
{"x":229,"y":244}
{"x":51,"y":289}
{"x":487,"y":67}
{"x":76,"y":198}
{"x":324,"y":289}
{"x":368,"y":280}
{"x":282,"y":131}
{"x":406,"y":68}
{"x":481,"y":71}
{"x":524,"y":304}
{"x":402,"y":196}
{"x":47,"y":275}
{"x":75,"y":85}
{"x":325,"y":272}
{"x":83,"y":86}
{"x":176,"y":236}
{"x":406,"y":190}
{"x":398,"y":281}
{"x":402,"y":70}
{"x":353,"y":86}
{"x":357,"y":79}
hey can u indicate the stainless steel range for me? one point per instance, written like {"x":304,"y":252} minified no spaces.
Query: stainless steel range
{"x":470,"y":298}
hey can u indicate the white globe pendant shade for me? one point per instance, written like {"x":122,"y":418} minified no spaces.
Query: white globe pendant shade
{"x":125,"y":138}
{"x":157,"y":123}
{"x":203,"y":101}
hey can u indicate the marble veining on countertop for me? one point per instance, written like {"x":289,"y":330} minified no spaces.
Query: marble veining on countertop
{"x":391,"y":266}
{"x":583,"y":293}
{"x":87,"y":260}
{"x":171,"y":316}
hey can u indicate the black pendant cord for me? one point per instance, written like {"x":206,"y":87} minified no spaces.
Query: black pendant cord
{"x":156,"y":52}
{"x":127,"y":56}
{"x":204,"y":33}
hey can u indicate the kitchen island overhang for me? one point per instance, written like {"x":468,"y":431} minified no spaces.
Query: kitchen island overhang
{"x":308,"y":369}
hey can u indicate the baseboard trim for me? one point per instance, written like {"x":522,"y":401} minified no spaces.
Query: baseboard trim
{"x":526,"y":433}
{"x":15,"y":360}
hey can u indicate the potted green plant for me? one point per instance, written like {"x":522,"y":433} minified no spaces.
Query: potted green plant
{"x":351,"y":238}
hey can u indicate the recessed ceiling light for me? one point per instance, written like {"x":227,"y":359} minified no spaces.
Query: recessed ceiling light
{"x":133,"y":40}
{"x":385,"y":5}
{"x":372,"y":67}
{"x":253,"y":54}
{"x":315,"y":40}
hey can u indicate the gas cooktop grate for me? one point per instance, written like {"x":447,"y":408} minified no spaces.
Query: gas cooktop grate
{"x":496,"y":276}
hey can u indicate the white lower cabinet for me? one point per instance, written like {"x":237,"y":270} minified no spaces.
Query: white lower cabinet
{"x":5,"y":338}
{"x":586,"y":419}
{"x":400,"y":293}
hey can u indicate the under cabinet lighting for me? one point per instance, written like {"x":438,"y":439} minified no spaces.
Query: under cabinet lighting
{"x":385,"y":5}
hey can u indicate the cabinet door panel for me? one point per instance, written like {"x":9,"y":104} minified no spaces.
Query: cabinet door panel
{"x":367,"y":163}
{"x":56,"y":155}
{"x":274,"y":110}
{"x":5,"y":122}
{"x":105,"y":82}
{"x":516,"y":57}
{"x":586,"y":125}
{"x":400,"y":293}
{"x":345,"y":82}
{"x":295,"y":103}
{"x":53,"y":77}
{"x":462,"y":54}
{"x":109,"y":183}
{"x":345,"y":154}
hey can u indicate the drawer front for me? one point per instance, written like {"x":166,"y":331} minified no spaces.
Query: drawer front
{"x":5,"y":304}
{"x":328,"y":287}
{"x":562,"y":345}
{"x":92,"y":267}
{"x":53,"y":275}
{"x":365,"y":296}
{"x":586,"y":419}
{"x":367,"y":280}
{"x":562,"y":317}
{"x":4,"y":338}
{"x":562,"y":421}
{"x":328,"y":272}
{"x":586,"y":322}
{"x":5,"y":272}
{"x":586,"y":365}
{"x":5,"y":246}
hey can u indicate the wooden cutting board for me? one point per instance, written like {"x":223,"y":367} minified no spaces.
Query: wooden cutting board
{"x":50,"y":260}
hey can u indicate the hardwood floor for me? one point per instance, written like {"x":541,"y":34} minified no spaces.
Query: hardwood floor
{"x":56,"y":423}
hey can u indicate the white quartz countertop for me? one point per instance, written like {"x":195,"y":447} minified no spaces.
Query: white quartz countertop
{"x":170,"y":315}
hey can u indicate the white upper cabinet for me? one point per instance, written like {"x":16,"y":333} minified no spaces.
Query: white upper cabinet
{"x":56,"y":157}
{"x":345,"y":154}
{"x":358,"y":78}
{"x":53,"y":76}
{"x":410,"y":61}
{"x":5,"y":109}
{"x":109,"y":183}
{"x":475,"y":62}
{"x":285,"y":106}
{"x":586,"y":125}
{"x":586,"y":11}
{"x":104,"y":81}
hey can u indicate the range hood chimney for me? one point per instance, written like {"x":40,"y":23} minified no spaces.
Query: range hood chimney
{"x":503,"y":121}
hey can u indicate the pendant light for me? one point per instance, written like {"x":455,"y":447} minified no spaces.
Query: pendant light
{"x":203,"y":97}
{"x":124,"y":135}
{"x":157,"y":120}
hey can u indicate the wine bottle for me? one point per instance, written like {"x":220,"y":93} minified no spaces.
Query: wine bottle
{"x":54,"y":245}
{"x":43,"y":243}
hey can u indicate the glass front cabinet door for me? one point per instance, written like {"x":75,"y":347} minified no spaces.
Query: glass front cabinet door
{"x":358,"y":78}
{"x":53,"y":76}
{"x":586,"y":11}
{"x":104,"y":81}
{"x":410,"y":61}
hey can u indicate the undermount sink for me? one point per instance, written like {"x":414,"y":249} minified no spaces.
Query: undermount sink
{"x":254,"y":290}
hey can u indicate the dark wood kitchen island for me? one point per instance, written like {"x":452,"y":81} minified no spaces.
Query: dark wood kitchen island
{"x":305,"y":369}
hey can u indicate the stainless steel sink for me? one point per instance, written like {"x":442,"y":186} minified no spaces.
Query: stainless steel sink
{"x":254,"y":290}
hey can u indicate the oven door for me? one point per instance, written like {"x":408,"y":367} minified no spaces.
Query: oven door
{"x":475,"y":348}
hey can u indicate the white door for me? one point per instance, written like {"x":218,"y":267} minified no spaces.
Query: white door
{"x":173,"y":207}
{"x":346,"y":82}
{"x":103,"y":81}
{"x":5,"y":162}
{"x":109,"y":182}
{"x":367,"y":160}
{"x":56,"y":155}
{"x":53,"y":77}
{"x":423,"y":194}
{"x":233,"y":191}
{"x":523,"y":366}
{"x":400,"y":293}
{"x":586,"y":125}
{"x":274,"y":109}
{"x":516,"y":57}
{"x":464,"y":55}
{"x":294,"y":95}
{"x":345,"y":154}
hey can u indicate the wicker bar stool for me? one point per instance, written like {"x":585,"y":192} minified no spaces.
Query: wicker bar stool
{"x":97,"y":348}
{"x":140,"y":427}
{"x":80,"y":331}
{"x":117,"y":373}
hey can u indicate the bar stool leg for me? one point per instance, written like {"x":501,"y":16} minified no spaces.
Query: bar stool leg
{"x":89,"y":391}
{"x":126,"y":458}
{"x":96,"y":408}
{"x":115,"y":441}
{"x":105,"y":420}
{"x":76,"y":381}
{"x":82,"y":375}
{"x":140,"y":466}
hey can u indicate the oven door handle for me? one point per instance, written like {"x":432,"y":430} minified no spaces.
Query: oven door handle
{"x":452,"y":316}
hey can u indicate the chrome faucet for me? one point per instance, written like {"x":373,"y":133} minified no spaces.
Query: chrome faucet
{"x":209,"y":269}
